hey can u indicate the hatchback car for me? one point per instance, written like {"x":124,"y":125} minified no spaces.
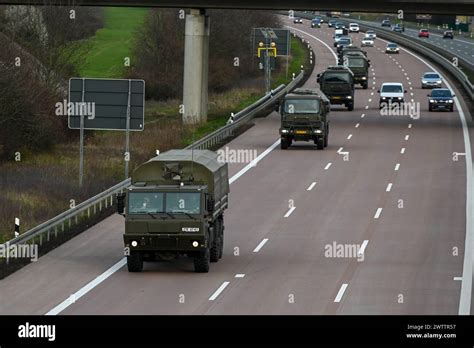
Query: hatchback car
{"x":398,"y":28}
{"x":298,"y":20}
{"x":386,"y":23}
{"x":392,"y":48}
{"x":354,"y":28}
{"x":367,"y":42}
{"x":424,"y":33}
{"x":331,"y":23}
{"x":316,"y":23}
{"x":431,"y":80}
{"x":371,"y":34}
{"x":448,"y":34}
{"x":441,"y":99}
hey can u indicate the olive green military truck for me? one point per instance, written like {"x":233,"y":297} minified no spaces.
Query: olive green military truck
{"x":337,"y":83}
{"x":359,"y":65}
{"x":175,"y":207}
{"x":304,"y":117}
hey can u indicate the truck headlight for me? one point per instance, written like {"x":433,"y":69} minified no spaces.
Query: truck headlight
{"x":400,"y":98}
{"x":384,"y":98}
{"x":134,"y":243}
{"x":318,"y":131}
{"x":349,"y":97}
{"x":432,"y":101}
{"x":284,"y":131}
{"x":364,"y":78}
{"x":195,"y":244}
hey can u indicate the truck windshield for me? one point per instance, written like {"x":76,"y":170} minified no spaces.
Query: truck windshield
{"x":183,"y":202}
{"x":145,"y":202}
{"x":356,"y":62}
{"x":302,"y":106}
{"x":159,"y":202}
{"x":335,"y":77}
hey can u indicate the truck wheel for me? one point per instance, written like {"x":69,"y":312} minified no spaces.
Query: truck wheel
{"x":284,"y":143}
{"x":215,"y":247}
{"x":201,"y":262}
{"x":320,"y":143}
{"x":365,"y":85}
{"x":350,"y":106}
{"x":326,"y":136}
{"x":221,"y":237}
{"x":135,"y":262}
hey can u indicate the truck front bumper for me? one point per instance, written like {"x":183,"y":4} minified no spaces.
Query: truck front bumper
{"x":164,"y":242}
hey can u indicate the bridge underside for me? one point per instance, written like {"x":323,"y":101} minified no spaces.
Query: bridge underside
{"x":458,"y":7}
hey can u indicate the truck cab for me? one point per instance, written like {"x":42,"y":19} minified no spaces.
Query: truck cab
{"x":337,"y":83}
{"x":359,"y":65}
{"x":304,"y":117}
{"x":174,"y":207}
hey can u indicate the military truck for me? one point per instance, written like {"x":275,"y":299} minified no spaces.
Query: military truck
{"x":304,"y":117}
{"x":175,"y":207}
{"x":351,"y":50}
{"x":337,"y":83}
{"x":359,"y":65}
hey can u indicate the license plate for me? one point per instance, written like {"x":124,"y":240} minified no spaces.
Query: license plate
{"x":300,"y":132}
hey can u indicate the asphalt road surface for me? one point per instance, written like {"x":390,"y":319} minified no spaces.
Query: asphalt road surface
{"x":400,"y":197}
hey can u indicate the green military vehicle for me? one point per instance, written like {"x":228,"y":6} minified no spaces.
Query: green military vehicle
{"x":350,"y":49}
{"x":337,"y":83}
{"x":174,"y":207}
{"x":359,"y":65}
{"x":304,"y":117}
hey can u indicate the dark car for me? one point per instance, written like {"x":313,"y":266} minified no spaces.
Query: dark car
{"x":331,"y":23}
{"x":441,"y":99}
{"x":448,"y":34}
{"x":339,"y":25}
{"x":316,"y":23}
{"x":386,"y":23}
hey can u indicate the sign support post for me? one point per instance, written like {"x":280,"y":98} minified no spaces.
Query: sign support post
{"x":127,"y":134}
{"x":81,"y":146}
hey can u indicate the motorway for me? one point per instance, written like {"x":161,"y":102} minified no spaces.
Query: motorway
{"x":400,"y":196}
{"x":458,"y":47}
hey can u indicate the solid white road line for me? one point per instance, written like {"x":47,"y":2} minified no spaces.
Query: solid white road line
{"x":328,"y":166}
{"x":260,"y":246}
{"x":91,"y":285}
{"x":254,"y":162}
{"x":389,"y":187}
{"x":321,"y":41}
{"x":292,"y":209}
{"x":218,"y":291}
{"x":341,"y":293}
{"x":311,"y":186}
{"x":362,"y":247}
{"x":377,"y":213}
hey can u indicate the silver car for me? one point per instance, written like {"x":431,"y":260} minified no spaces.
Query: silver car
{"x":367,"y":42}
{"x":431,"y":80}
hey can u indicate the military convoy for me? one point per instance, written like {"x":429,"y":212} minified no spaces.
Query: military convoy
{"x":304,"y":117}
{"x":356,"y":59}
{"x":175,"y":206}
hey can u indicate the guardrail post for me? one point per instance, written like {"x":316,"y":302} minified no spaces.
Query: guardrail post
{"x":48,"y":234}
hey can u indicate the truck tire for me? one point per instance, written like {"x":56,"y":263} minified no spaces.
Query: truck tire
{"x":365,"y":85}
{"x":350,"y":106}
{"x":201,"y":262}
{"x":135,"y":262}
{"x":284,"y":143}
{"x":320,"y":143}
{"x":215,"y":247}
{"x":221,"y":237}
